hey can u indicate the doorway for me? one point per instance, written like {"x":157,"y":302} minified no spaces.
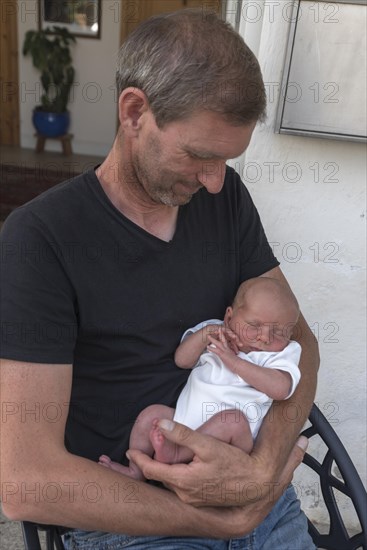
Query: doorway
{"x":135,"y":11}
{"x":9,"y":80}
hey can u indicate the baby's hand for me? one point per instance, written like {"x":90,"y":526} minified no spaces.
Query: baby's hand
{"x":232,"y":339}
{"x":210,"y":331}
{"x":226,"y":335}
{"x":223,"y":348}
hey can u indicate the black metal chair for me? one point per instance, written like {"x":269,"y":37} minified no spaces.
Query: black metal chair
{"x":31,"y":536}
{"x":337,"y":537}
{"x":351,"y":485}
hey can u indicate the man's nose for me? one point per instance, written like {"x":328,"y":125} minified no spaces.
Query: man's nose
{"x":211,"y":175}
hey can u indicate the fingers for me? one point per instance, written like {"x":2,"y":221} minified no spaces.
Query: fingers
{"x":152,"y":469}
{"x":215,"y":460}
{"x":215,"y":345}
{"x":302,"y":443}
{"x":223,"y":338}
{"x":227,"y":338}
{"x":298,"y":451}
{"x":295,"y":459}
{"x":200,"y":444}
{"x":232,"y":336}
{"x":219,"y":338}
{"x":234,"y":347}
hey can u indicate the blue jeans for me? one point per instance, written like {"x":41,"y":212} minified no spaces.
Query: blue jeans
{"x":284,"y":528}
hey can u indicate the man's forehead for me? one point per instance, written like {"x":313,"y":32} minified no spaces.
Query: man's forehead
{"x":216,"y":143}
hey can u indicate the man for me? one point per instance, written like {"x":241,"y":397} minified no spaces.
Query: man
{"x":104,"y":273}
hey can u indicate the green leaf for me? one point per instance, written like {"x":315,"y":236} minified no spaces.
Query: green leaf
{"x":45,"y":80}
{"x":51,"y":55}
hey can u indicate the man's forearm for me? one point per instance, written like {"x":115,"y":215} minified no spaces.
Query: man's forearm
{"x":285,"y":419}
{"x":42,"y":482}
{"x":77,"y":493}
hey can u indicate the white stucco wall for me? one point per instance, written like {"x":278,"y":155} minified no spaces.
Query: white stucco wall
{"x":93,"y":99}
{"x":311,"y":197}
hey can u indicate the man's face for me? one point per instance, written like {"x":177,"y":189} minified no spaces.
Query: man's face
{"x":171,"y":164}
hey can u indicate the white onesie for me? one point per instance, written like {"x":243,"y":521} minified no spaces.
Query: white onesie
{"x":212,"y":388}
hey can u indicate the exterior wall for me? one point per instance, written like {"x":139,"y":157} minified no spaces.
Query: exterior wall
{"x":93,"y":100}
{"x":311,"y":196}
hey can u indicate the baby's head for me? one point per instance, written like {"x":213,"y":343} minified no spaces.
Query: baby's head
{"x":263,"y":314}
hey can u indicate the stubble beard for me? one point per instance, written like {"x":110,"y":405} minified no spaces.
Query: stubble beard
{"x":148,"y":183}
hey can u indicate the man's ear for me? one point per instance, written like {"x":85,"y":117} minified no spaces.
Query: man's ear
{"x":132,"y":104}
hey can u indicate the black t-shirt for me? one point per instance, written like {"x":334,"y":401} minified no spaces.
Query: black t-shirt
{"x":82,"y":284}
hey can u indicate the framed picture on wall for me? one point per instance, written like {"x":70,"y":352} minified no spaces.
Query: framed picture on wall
{"x":80,"y":17}
{"x":323,"y":91}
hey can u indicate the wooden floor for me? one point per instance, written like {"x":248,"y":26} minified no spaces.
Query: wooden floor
{"x":24,"y":174}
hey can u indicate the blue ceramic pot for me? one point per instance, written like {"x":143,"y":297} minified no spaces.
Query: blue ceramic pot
{"x":51,"y":124}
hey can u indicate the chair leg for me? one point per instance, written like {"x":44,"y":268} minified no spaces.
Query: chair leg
{"x":58,"y":541}
{"x":49,"y":540}
{"x":32,"y":540}
{"x":30,"y":536}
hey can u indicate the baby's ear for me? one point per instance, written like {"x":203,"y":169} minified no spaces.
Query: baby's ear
{"x":228,"y":315}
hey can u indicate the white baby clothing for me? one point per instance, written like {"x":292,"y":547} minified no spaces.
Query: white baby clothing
{"x":212,"y":388}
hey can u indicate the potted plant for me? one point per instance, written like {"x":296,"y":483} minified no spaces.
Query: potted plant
{"x":50,"y":52}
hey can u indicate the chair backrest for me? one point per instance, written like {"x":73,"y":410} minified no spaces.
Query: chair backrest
{"x":337,"y":537}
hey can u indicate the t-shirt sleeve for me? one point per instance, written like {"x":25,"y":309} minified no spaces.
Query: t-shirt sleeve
{"x":287,"y":361}
{"x":38,"y":304}
{"x":256,"y":254}
{"x":199,"y":326}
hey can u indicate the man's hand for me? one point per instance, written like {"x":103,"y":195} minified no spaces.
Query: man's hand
{"x":220,"y":474}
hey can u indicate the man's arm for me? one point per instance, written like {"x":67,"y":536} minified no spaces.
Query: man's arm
{"x":257,"y":480}
{"x":42,"y":482}
{"x":281,"y":427}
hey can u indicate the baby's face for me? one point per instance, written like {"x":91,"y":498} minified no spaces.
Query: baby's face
{"x":262,"y":325}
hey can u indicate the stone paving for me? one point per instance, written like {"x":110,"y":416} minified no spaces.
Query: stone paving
{"x":10,"y":534}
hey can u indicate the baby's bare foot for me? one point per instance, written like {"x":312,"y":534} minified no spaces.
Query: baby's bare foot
{"x":105,"y":460}
{"x":131,"y":471}
{"x":165,"y":451}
